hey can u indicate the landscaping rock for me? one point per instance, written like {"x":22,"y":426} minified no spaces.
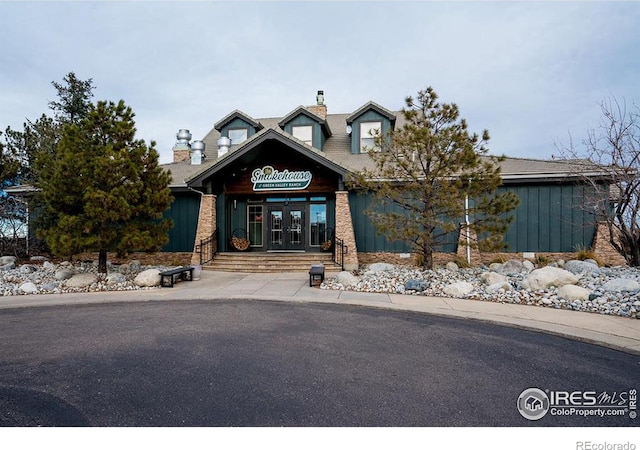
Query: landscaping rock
{"x":48,"y":266}
{"x":620,"y":285}
{"x":27,"y":268}
{"x":7,"y":260}
{"x":115,"y":278}
{"x":148,"y":278}
{"x":453,"y":267}
{"x":572,"y":292}
{"x":380,"y":267}
{"x":28,"y":288}
{"x":528,"y":265}
{"x":579,"y":267}
{"x":63,"y":274}
{"x":490,"y":278}
{"x":81,"y":280}
{"x":416,"y":285}
{"x":459,"y":289}
{"x":8,"y":266}
{"x":512,"y":267}
{"x":347,"y":278}
{"x":548,"y":276}
{"x":499,"y":286}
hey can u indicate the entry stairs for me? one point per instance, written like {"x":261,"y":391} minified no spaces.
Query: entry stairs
{"x":267,"y":262}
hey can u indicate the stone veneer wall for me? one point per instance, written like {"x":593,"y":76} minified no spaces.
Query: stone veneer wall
{"x":603,"y":248}
{"x":206,"y":223}
{"x":344,"y":230}
{"x":145,"y":258}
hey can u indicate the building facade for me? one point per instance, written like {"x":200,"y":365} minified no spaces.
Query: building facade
{"x":278,"y":185}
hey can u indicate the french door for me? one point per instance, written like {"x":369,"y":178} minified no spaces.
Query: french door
{"x":285,"y":227}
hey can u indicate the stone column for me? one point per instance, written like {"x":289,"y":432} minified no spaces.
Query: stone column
{"x":206,"y":223}
{"x":603,"y":248}
{"x":344,"y":230}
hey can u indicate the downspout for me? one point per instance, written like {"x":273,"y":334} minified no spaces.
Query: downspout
{"x":466,"y":220}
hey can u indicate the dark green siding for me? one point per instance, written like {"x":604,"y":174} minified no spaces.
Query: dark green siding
{"x":235,"y":124}
{"x":302,"y":120}
{"x":223,"y":228}
{"x":550,"y":218}
{"x":368,"y":240}
{"x":184,"y":213}
{"x":369,"y":116}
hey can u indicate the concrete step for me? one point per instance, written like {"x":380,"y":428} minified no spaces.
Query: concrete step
{"x":270,"y":262}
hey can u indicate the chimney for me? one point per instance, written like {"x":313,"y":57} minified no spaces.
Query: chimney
{"x":197,"y":152}
{"x":182,"y":149}
{"x":319,"y":109}
{"x":223,"y":143}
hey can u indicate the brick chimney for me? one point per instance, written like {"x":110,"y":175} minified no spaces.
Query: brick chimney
{"x":182,"y":149}
{"x":319,"y":109}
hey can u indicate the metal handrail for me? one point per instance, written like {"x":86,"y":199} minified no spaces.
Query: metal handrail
{"x":339,"y":250}
{"x":208,"y":248}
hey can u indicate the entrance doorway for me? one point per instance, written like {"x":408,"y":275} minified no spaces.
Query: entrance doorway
{"x":285,"y":227}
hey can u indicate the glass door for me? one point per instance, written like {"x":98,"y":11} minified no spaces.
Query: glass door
{"x":286,"y":229}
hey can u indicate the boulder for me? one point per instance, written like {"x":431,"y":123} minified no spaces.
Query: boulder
{"x":135,"y":265}
{"x":347,"y":278}
{"x":500,"y":286}
{"x":148,"y":278}
{"x":620,"y":285}
{"x":492,"y":278}
{"x":51,"y":286}
{"x":548,"y":276}
{"x":28,"y":288}
{"x":496,"y":267}
{"x":458,"y":289}
{"x":27,"y":268}
{"x":38,"y":258}
{"x":63,"y":274}
{"x":48,"y":266}
{"x":8,"y":266}
{"x":572,"y":292}
{"x":7,"y":260}
{"x":579,"y":267}
{"x":115,"y":278}
{"x":416,"y":285}
{"x":453,"y":267}
{"x":512,"y":267}
{"x":528,"y":265}
{"x":381,"y":267}
{"x":81,"y":280}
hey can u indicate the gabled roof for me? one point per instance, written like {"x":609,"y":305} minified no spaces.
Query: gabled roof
{"x":371,"y":106}
{"x":256,"y":140}
{"x":236,"y":114}
{"x":304,"y":111}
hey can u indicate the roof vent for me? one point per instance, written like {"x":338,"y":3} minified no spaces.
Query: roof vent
{"x":197,"y":152}
{"x":223,"y":145}
{"x":320,"y":98}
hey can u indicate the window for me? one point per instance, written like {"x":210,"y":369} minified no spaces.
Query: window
{"x":368,"y":132}
{"x":304,"y":133}
{"x":318,"y":221}
{"x":255,"y":225}
{"x":237,"y":135}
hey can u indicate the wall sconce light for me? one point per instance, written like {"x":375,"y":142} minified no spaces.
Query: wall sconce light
{"x":235,"y":204}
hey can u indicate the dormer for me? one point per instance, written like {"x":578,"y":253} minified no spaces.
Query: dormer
{"x":238,"y":127}
{"x":369,"y":120}
{"x":306,"y":126}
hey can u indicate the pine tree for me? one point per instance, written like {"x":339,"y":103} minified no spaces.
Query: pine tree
{"x":105,"y":187}
{"x":423,"y":172}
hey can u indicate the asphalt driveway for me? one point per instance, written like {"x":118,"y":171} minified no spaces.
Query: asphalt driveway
{"x":256,"y":363}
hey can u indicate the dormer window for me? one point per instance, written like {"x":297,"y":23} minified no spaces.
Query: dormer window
{"x":237,"y":135}
{"x":368,"y":133}
{"x":304,"y":133}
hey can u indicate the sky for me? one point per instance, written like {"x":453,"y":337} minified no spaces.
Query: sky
{"x":532,"y":73}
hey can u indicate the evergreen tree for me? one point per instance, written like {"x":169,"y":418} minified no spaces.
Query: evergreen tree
{"x":74,"y":99}
{"x":105,"y":188}
{"x":423,"y":172}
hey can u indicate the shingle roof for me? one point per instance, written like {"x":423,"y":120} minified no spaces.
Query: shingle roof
{"x":337,"y":149}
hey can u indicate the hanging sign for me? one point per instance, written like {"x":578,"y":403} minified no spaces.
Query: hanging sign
{"x":269,"y":179}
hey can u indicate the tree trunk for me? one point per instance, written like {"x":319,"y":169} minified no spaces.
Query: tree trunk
{"x":427,"y":262}
{"x":102,"y":261}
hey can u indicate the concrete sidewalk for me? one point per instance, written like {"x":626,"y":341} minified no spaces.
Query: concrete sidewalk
{"x":609,"y":331}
